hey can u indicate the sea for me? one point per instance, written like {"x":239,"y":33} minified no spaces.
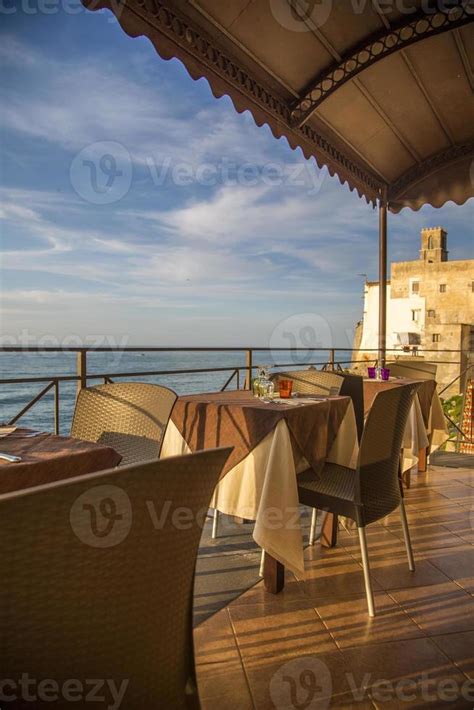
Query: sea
{"x":13,"y":397}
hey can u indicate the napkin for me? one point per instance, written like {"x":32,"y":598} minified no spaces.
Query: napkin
{"x":6,"y":430}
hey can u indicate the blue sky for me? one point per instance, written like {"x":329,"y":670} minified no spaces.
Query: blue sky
{"x":212,"y":232}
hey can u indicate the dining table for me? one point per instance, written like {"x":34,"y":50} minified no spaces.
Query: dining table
{"x":273,"y":441}
{"x":44,"y":458}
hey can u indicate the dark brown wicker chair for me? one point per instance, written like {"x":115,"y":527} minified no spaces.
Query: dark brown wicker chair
{"x":98,"y":582}
{"x":414,"y":370}
{"x":129,"y":416}
{"x":312,"y":381}
{"x":373,"y":489}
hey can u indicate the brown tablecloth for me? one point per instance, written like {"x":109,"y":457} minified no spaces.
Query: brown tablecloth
{"x":425,"y":393}
{"x":240,"y":420}
{"x":47,"y":458}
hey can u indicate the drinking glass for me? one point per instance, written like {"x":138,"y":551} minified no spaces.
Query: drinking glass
{"x":285,"y":387}
{"x":371,"y":372}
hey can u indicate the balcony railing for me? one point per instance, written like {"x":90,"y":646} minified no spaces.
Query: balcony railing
{"x":239,"y":375}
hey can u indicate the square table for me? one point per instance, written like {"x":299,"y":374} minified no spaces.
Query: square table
{"x":273,"y":442}
{"x":46,"y":458}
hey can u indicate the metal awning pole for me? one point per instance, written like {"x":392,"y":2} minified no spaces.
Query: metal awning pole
{"x":382,"y":277}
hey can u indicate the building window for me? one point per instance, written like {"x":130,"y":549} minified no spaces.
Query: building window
{"x":415,"y":315}
{"x":442,"y":288}
{"x":431,"y":314}
{"x":472,"y":286}
{"x":415,"y":287}
{"x":436,"y":337}
{"x":430,"y":242}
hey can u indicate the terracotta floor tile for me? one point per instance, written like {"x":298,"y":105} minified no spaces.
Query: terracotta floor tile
{"x":214,"y":640}
{"x":460,"y":649}
{"x":463,"y":528}
{"x":393,"y":573}
{"x":224,"y":680}
{"x":447,"y":514}
{"x":350,"y":624}
{"x":332,"y":574}
{"x":455,"y":490}
{"x":387,"y":669}
{"x":438,"y":609}
{"x":427,"y":535}
{"x":264,"y":632}
{"x":381,"y":541}
{"x":259,"y":595}
{"x":457,"y":564}
{"x":277,"y":684}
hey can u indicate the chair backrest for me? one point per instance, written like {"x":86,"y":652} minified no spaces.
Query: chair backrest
{"x":353,"y":387}
{"x":312,"y":381}
{"x":129,"y":416}
{"x":98,"y":582}
{"x":378,"y":486}
{"x":415,"y":370}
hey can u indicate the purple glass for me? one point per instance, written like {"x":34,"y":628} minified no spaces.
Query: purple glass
{"x":385,"y":373}
{"x":372,"y":372}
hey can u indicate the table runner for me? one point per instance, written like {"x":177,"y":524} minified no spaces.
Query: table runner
{"x":241,"y":420}
{"x":47,"y":458}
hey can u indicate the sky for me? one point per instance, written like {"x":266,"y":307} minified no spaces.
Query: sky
{"x":137,"y":209}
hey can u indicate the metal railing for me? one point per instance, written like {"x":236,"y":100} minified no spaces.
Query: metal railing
{"x":237,"y":373}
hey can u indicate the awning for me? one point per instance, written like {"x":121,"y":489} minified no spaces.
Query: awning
{"x":382,"y":97}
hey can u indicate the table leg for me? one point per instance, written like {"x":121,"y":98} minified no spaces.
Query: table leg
{"x":329,"y":531}
{"x":422,"y":459}
{"x":273,"y":574}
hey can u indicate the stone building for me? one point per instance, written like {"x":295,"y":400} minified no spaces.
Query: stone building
{"x":430,"y":309}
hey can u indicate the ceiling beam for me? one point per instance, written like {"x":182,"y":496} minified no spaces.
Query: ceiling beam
{"x":429,"y":166}
{"x":464,"y":57}
{"x":371,"y":51}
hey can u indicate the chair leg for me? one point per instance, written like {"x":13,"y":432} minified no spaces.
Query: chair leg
{"x":215,"y":522}
{"x":312,"y":530}
{"x":262,"y":563}
{"x":406,"y":536}
{"x":365,"y":565}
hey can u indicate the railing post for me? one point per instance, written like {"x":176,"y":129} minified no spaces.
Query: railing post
{"x":248,"y":368}
{"x":332,"y":355}
{"x":81,"y":367}
{"x":56,"y":406}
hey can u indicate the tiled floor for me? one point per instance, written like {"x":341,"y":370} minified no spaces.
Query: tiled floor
{"x":314,"y":647}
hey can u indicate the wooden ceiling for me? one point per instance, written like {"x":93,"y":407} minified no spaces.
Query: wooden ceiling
{"x":382,"y":96}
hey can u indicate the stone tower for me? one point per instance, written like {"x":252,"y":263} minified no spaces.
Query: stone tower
{"x":433,"y":245}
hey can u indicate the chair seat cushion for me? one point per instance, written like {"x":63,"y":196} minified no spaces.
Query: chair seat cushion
{"x":334,"y":481}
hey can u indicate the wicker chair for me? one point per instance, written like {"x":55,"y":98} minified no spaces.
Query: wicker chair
{"x":100,"y":581}
{"x":321,"y":382}
{"x":415,"y":370}
{"x":373,"y":489}
{"x":312,"y":381}
{"x":129,"y":416}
